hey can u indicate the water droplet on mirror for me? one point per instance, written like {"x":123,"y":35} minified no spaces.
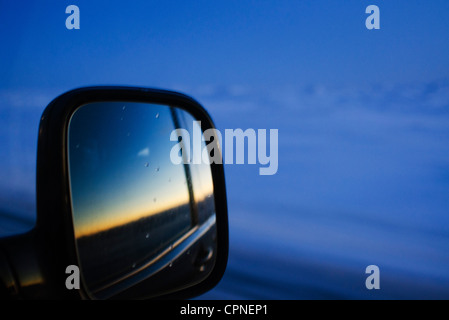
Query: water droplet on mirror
{"x":147,"y":236}
{"x":147,"y":164}
{"x":124,"y":107}
{"x":78,"y":145}
{"x":170,"y":265}
{"x":157,"y":115}
{"x":157,"y":169}
{"x":134,"y":265}
{"x":154,"y":200}
{"x":121,"y":119}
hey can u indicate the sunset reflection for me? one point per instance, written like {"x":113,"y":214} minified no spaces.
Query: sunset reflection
{"x":120,"y":169}
{"x":129,"y":201}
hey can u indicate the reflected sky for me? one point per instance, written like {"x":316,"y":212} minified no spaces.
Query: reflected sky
{"x":120,"y":168}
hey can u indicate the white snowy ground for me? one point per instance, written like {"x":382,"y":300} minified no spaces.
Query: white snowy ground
{"x":363,"y":179}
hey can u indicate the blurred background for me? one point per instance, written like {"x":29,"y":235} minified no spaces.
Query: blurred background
{"x":363,"y":120}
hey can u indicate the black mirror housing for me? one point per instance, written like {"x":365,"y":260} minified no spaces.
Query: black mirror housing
{"x":53,"y":240}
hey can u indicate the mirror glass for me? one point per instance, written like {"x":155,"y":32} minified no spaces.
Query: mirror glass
{"x":144,"y":225}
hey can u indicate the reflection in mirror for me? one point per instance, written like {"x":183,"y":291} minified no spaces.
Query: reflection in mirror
{"x":143,"y":225}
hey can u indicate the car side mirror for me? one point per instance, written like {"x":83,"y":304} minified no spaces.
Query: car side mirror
{"x":113,"y":202}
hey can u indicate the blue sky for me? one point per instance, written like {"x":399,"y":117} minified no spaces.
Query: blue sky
{"x":165,"y":43}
